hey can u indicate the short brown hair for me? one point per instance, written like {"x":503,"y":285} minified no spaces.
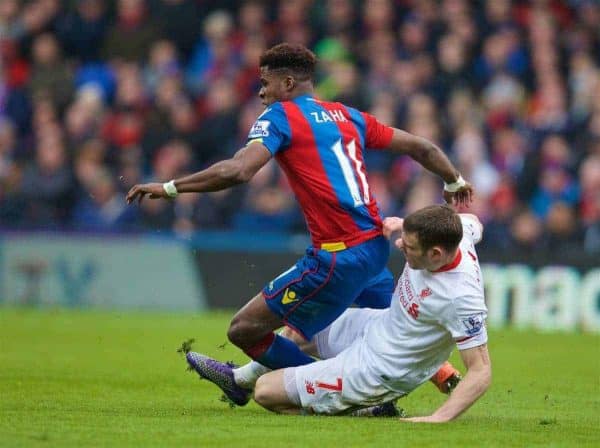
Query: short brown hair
{"x":435,"y":225}
{"x":296,"y":58}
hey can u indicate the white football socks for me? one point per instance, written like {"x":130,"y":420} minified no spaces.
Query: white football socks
{"x":247,"y":375}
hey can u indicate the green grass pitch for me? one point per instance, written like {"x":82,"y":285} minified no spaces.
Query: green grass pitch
{"x":88,"y":378}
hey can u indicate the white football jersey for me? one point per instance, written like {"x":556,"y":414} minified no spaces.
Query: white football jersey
{"x":430,"y":313}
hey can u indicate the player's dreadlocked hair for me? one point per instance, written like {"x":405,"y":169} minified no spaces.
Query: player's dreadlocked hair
{"x":436,"y":225}
{"x":296,"y":58}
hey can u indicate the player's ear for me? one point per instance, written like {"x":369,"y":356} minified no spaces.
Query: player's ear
{"x":289,"y":82}
{"x":436,"y":252}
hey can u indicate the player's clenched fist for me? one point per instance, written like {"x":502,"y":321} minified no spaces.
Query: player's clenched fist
{"x":462,"y":196}
{"x":139,"y":191}
{"x":390,"y":225}
{"x":392,"y":229}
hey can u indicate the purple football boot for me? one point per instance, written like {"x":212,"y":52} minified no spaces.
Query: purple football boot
{"x":221,"y":374}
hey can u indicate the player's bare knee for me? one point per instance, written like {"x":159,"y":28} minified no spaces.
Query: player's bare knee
{"x":237,"y":333}
{"x":244,"y":333}
{"x":263,"y":394}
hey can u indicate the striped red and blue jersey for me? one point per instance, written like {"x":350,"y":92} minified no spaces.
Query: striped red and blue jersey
{"x":319,"y":145}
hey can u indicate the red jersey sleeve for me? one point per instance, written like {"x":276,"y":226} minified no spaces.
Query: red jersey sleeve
{"x":378,"y":135}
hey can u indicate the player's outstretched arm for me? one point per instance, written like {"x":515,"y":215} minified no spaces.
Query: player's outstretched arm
{"x":473,"y":386}
{"x":433,"y":158}
{"x":227,"y":173}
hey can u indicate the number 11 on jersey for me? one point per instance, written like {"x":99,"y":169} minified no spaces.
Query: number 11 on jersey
{"x":348,"y":172}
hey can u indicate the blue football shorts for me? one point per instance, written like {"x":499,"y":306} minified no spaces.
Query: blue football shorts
{"x":378,"y":292}
{"x":322,"y":285}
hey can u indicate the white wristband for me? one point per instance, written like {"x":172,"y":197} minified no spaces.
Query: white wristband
{"x":170,"y":189}
{"x":455,"y":186}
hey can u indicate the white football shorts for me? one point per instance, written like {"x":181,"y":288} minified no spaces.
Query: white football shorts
{"x":319,"y":387}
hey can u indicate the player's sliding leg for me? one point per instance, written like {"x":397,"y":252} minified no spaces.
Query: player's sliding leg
{"x":274,"y":394}
{"x":247,"y":375}
{"x":238,"y":382}
{"x":252,"y":331}
{"x":221,"y":374}
{"x":446,"y":379}
{"x":317,"y":387}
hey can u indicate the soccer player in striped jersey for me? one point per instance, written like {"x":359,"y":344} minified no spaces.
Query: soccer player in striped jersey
{"x":373,"y":356}
{"x":319,"y":145}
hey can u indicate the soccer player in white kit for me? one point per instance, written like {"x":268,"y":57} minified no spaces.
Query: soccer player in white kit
{"x":370,"y":357}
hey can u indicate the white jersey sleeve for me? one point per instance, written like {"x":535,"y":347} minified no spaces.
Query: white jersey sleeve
{"x":465,"y":320}
{"x":472,"y":227}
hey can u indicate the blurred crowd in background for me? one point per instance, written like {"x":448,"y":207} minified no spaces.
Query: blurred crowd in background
{"x":98,"y":95}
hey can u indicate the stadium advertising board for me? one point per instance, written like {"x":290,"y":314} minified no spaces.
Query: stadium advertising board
{"x":105,"y":272}
{"x":145,"y":273}
{"x":523,"y":292}
{"x":550,"y":298}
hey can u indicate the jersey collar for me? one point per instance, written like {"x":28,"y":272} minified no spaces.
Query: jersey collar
{"x":304,"y":97}
{"x":452,"y":264}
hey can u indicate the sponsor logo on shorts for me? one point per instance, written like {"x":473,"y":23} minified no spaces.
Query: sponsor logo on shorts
{"x":289,"y":297}
{"x":310,"y":388}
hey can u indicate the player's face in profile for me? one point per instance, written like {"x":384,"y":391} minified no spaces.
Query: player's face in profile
{"x":415,"y":256}
{"x":272,"y":86}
